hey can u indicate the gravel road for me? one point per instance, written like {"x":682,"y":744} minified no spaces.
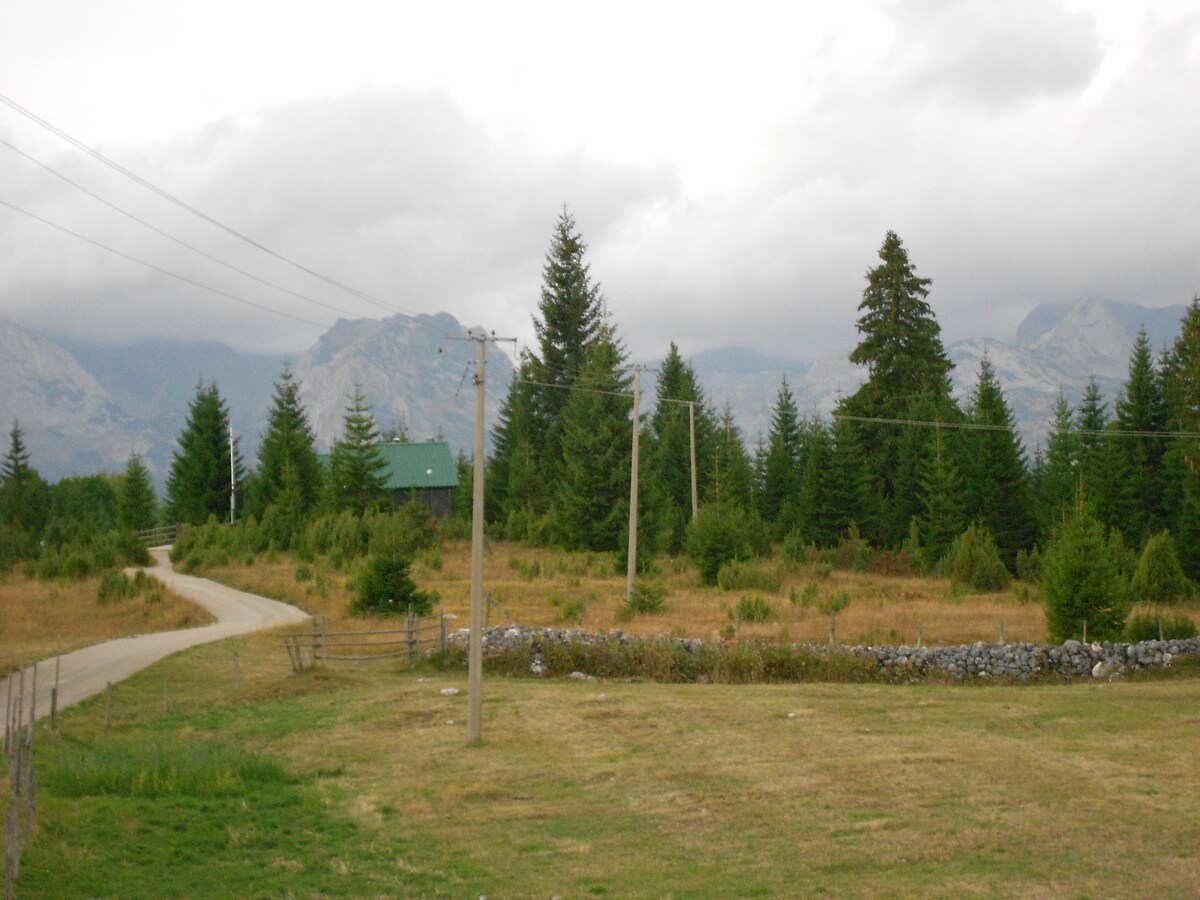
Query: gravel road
{"x":87,"y":672}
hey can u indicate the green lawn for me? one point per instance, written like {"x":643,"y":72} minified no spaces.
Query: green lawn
{"x":354,"y":782}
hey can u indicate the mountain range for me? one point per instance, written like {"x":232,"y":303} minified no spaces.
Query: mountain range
{"x":85,"y":408}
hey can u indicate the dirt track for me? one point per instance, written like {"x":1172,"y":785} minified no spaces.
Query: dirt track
{"x":87,"y":672}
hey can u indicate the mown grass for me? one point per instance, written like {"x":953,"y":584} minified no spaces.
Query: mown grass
{"x":359,"y":782}
{"x":41,"y":619}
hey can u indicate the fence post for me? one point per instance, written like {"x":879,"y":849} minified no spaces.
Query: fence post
{"x":441,"y":629}
{"x":408,"y":627}
{"x":324,"y":648}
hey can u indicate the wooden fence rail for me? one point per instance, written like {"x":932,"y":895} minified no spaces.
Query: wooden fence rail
{"x":321,"y":646}
{"x":154,"y":537}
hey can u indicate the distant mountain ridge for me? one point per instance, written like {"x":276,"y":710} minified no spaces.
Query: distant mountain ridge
{"x":1057,"y":347}
{"x":85,"y":408}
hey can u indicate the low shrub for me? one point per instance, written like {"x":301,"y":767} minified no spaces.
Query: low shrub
{"x":648,"y":597}
{"x":753,"y":608}
{"x":747,"y":575}
{"x":1146,"y":628}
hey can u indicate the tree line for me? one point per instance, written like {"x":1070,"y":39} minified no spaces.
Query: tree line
{"x":899,"y":469}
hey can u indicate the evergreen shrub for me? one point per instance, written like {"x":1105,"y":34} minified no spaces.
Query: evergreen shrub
{"x":385,"y":588}
{"x":973,"y":561}
{"x":1146,"y":628}
{"x":1159,"y":577}
{"x":720,"y":534}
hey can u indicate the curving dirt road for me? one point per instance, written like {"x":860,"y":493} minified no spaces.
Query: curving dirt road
{"x":87,"y":672}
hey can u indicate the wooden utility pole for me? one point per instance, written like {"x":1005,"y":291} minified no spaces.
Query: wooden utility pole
{"x":631,"y":568}
{"x":692,"y":439}
{"x":232,"y":477}
{"x":475,"y":641}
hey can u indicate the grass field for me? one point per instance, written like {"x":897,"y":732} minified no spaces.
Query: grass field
{"x":358,"y":782}
{"x":541,"y":587}
{"x":41,"y":619}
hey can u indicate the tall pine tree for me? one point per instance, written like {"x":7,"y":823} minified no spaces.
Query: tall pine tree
{"x":782,"y":465}
{"x":356,"y":477}
{"x":908,"y":370}
{"x":137,"y":505}
{"x":289,"y":471}
{"x":998,"y":489}
{"x":669,"y":475}
{"x":591,"y":501}
{"x":199,"y":483}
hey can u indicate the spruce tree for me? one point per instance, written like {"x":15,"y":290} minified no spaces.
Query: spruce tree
{"x":908,"y":369}
{"x":1058,"y":475}
{"x":24,"y":496}
{"x":512,"y":485}
{"x":817,"y":521}
{"x":356,"y":468}
{"x":198,"y":484}
{"x":1083,"y":580}
{"x":591,"y":502}
{"x":998,"y":490}
{"x":943,"y":513}
{"x":1181,"y":390}
{"x":138,"y":505}
{"x":732,"y":483}
{"x":1142,"y":415}
{"x":781,"y":471}
{"x":669,"y":475}
{"x":570,"y":320}
{"x":289,"y":471}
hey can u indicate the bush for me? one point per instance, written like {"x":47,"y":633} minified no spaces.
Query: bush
{"x":806,"y":598}
{"x":742,"y":575}
{"x":1159,"y":578}
{"x":973,"y":560}
{"x":853,"y":552}
{"x":720,"y":534}
{"x":753,"y":608}
{"x":648,"y":597}
{"x":386,"y":589}
{"x":1145,"y":628}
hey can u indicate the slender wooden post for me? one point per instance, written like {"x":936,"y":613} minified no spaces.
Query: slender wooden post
{"x":631,"y":564}
{"x":475,"y":642}
{"x":692,"y":439}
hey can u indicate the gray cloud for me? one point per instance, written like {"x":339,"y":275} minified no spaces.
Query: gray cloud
{"x":977,"y":135}
{"x":991,"y":56}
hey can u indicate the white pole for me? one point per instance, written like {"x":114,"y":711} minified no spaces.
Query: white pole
{"x":232,"y":477}
{"x":692,"y":435}
{"x":475,"y":646}
{"x":633,"y":486}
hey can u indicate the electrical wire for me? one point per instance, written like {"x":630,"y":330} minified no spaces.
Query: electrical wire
{"x":171,"y":198}
{"x":160,"y":269}
{"x":172,"y":237}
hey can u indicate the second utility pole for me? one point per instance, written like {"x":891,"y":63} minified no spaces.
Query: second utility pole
{"x":633,"y":487}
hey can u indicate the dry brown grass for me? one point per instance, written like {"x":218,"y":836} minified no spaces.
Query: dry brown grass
{"x":536,"y":586}
{"x":641,"y":789}
{"x":41,"y":619}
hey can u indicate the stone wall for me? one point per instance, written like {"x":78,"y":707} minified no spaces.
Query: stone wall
{"x":1017,"y":662}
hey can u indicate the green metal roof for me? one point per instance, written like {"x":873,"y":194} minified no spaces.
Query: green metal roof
{"x":415,"y":466}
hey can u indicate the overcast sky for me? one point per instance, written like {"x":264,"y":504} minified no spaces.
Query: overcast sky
{"x":733,"y":173}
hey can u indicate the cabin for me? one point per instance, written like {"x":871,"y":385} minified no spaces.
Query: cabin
{"x":423,"y":471}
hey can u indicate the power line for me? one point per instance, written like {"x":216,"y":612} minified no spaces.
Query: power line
{"x":171,"y":198}
{"x":171,"y":237}
{"x":149,"y":265}
{"x":979,"y":426}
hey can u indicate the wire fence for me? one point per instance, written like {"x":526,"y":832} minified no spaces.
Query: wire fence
{"x":22,"y":779}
